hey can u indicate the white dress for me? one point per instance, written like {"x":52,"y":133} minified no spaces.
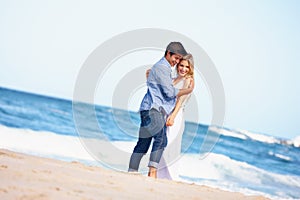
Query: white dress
{"x":169,"y":163}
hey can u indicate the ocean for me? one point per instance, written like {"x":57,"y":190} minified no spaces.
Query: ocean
{"x":240,"y":161}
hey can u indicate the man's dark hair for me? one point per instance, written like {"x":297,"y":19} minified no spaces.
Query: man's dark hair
{"x":171,"y":53}
{"x":176,"y":48}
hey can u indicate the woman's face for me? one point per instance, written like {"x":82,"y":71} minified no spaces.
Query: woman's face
{"x":183,"y":68}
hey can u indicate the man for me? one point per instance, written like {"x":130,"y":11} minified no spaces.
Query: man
{"x":157,"y":103}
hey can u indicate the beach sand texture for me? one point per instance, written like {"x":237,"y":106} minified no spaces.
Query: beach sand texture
{"x":30,"y":177}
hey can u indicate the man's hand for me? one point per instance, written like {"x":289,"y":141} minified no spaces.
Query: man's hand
{"x":192,"y":84}
{"x":147,"y":73}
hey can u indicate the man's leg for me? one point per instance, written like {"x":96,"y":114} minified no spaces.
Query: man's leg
{"x":139,"y":151}
{"x":159,"y":143}
{"x":143,"y":143}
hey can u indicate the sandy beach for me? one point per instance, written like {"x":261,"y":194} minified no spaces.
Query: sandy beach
{"x":30,"y":177}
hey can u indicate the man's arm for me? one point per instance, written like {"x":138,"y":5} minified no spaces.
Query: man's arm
{"x":165,"y":82}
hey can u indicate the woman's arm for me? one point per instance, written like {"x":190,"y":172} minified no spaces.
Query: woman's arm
{"x":180,"y":100}
{"x":186,"y":90}
{"x":171,"y":117}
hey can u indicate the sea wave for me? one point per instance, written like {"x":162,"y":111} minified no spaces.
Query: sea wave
{"x":296,"y":141}
{"x":42,"y":143}
{"x":280,"y":156}
{"x":245,"y":135}
{"x":215,"y":170}
{"x":225,"y":173}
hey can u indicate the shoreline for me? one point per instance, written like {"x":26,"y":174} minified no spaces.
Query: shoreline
{"x":30,"y":177}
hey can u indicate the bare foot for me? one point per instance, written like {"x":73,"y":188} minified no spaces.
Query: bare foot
{"x":152,"y":172}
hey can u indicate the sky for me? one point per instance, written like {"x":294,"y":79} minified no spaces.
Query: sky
{"x":254,"y":45}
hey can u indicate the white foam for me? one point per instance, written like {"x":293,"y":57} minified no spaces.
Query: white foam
{"x":227,"y":133}
{"x":244,"y":134}
{"x":43,"y":143}
{"x":296,"y":141}
{"x":220,"y":171}
{"x":259,"y":137}
{"x":280,"y":156}
{"x":48,"y":144}
{"x":213,"y":170}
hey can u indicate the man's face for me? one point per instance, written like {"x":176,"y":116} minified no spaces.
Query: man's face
{"x":174,"y":59}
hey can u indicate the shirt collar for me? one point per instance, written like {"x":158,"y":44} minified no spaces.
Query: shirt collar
{"x":165,"y":62}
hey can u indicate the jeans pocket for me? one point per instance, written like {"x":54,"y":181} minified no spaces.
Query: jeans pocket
{"x":157,"y":122}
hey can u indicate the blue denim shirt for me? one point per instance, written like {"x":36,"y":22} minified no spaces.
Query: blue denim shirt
{"x":161,"y":93}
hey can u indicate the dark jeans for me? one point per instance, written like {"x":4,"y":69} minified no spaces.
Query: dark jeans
{"x":153,"y":125}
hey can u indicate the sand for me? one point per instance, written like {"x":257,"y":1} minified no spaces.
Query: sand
{"x":30,"y":177}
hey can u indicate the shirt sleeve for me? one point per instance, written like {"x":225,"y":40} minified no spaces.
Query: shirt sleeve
{"x":164,"y":81}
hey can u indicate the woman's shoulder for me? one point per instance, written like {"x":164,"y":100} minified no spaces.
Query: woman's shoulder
{"x":188,"y":80}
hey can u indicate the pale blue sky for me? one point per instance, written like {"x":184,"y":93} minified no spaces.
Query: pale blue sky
{"x":255,"y":46}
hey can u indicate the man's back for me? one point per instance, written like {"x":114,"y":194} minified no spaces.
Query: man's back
{"x":161,"y":92}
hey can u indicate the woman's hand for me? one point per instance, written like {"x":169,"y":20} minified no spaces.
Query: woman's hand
{"x":170,"y":120}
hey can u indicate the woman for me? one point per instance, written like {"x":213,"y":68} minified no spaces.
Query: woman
{"x":168,"y":166}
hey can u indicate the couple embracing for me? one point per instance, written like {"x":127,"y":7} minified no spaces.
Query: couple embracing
{"x":161,"y":113}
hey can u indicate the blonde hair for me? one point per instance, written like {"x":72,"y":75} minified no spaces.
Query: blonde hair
{"x":189,"y":58}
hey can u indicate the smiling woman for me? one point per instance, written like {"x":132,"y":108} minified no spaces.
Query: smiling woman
{"x":169,"y":165}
